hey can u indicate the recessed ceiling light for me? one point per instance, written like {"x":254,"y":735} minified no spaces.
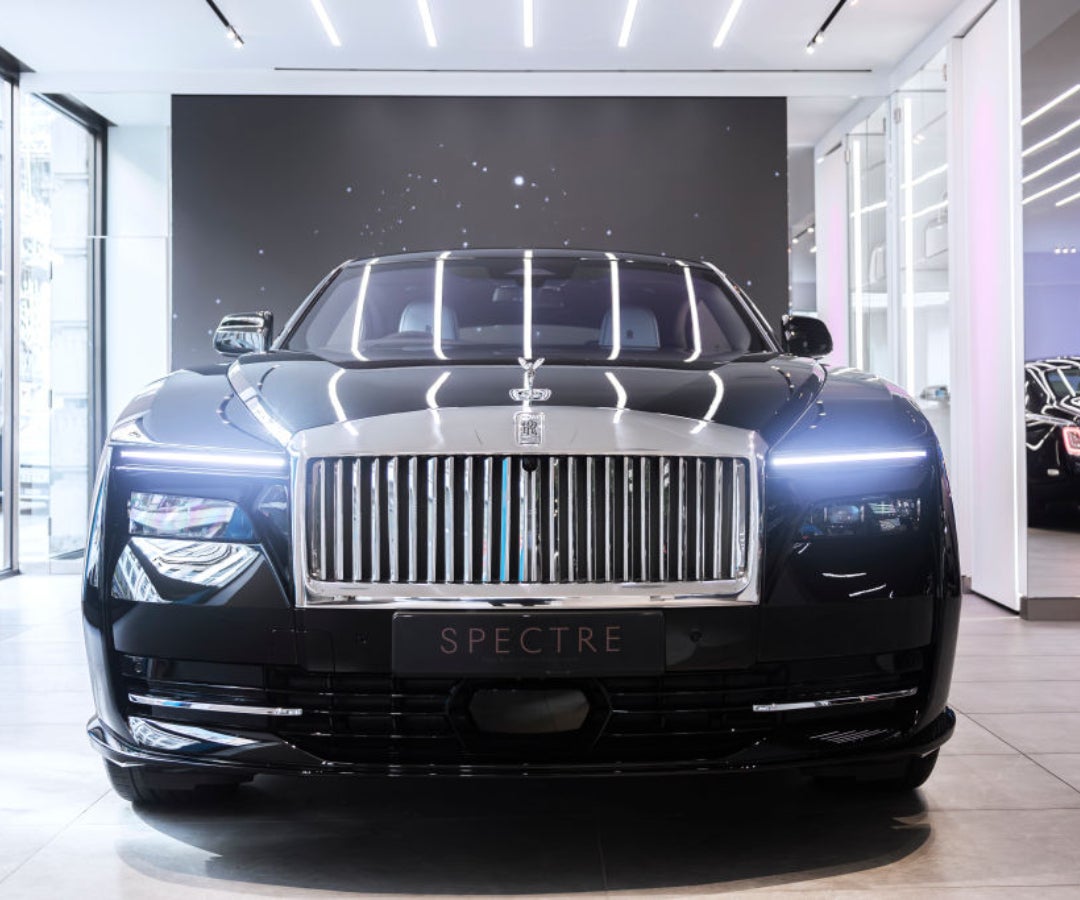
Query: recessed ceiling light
{"x":729,"y":20}
{"x":627,"y":22}
{"x":231,"y":34}
{"x":429,"y":26}
{"x":328,"y":26}
{"x":527,"y":7}
{"x":810,"y":48}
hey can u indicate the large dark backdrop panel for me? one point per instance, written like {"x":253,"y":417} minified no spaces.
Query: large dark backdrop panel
{"x":269,"y":193}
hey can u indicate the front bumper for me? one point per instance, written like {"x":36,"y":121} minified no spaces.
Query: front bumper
{"x":277,"y":757}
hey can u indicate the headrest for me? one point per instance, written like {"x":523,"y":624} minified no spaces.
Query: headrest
{"x":637,"y":326}
{"x":420,"y":316}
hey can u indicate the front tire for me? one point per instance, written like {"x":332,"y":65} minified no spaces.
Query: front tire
{"x":150,"y":786}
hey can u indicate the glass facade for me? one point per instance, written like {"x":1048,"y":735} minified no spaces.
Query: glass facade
{"x":56,"y":158}
{"x":6,"y":288}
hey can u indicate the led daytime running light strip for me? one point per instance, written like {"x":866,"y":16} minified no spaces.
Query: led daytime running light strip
{"x":820,"y":459}
{"x":200,"y":458}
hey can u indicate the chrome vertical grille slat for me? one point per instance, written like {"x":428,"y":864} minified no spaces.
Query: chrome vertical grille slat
{"x":414,"y":515}
{"x":467,"y":550}
{"x":376,"y":521}
{"x":449,"y":523}
{"x":601,"y":519}
{"x":392,"y":522}
{"x":431,"y":526}
{"x":488,"y":512}
{"x":339,"y":520}
{"x":357,"y":547}
{"x":663,"y":514}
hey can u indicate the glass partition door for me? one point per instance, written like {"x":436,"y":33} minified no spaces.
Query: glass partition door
{"x":868,"y":277}
{"x":923,"y":206}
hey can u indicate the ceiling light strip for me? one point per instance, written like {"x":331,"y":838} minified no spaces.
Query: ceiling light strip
{"x":725,"y":26}
{"x":527,"y":9}
{"x":627,"y":22}
{"x":1055,"y":136}
{"x":1052,"y":188}
{"x":324,"y":20}
{"x":1066,"y":200}
{"x":1060,"y":98}
{"x":429,"y":26}
{"x":231,"y":33}
{"x":1052,"y":165}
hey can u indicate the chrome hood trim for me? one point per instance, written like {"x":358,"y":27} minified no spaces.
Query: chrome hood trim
{"x":490,"y":430}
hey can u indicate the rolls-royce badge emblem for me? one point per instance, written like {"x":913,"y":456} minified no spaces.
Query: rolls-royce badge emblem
{"x":529,"y":428}
{"x":527,"y":393}
{"x":528,"y":424}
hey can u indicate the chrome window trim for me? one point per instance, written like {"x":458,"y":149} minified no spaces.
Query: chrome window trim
{"x":488,"y":431}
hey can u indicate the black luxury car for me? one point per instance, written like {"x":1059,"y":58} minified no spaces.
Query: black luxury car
{"x":520,"y":512}
{"x":1052,"y":432}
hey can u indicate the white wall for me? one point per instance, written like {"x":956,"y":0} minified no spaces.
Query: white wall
{"x":986,"y":284}
{"x":831,"y":259}
{"x":136,"y":261}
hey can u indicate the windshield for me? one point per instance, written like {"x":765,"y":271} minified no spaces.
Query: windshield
{"x":1064,"y":382}
{"x":505,"y":307}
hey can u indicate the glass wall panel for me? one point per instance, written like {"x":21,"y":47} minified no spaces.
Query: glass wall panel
{"x":868,"y":279}
{"x":55,"y":222}
{"x":923,"y":242}
{"x":1050,"y":89}
{"x":6,"y":288}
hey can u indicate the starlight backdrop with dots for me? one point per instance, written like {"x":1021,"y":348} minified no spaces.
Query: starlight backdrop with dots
{"x":270,"y":193}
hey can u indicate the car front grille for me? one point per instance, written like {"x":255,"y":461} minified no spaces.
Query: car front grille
{"x":516,"y":519}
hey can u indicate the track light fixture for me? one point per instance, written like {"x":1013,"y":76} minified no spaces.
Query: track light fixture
{"x":819,"y":35}
{"x":231,"y":34}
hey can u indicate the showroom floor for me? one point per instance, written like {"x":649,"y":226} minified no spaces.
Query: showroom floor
{"x":1001,"y":813}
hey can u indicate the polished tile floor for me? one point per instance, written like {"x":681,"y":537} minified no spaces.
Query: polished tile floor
{"x":1000,"y":816}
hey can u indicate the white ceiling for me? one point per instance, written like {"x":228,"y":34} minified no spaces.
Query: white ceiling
{"x":112,"y":47}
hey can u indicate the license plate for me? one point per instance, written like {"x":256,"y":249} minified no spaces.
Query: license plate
{"x":513,"y":644}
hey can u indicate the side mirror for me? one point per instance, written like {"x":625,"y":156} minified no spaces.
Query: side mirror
{"x":806,"y":336}
{"x":244,"y":333}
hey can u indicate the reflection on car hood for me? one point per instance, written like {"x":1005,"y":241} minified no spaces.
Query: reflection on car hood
{"x":763,"y":394}
{"x":766,"y":393}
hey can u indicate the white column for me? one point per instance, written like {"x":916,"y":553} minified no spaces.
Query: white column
{"x":986,"y":285}
{"x":137,"y":255}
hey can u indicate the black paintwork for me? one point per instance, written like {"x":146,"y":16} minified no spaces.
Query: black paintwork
{"x":843,"y":616}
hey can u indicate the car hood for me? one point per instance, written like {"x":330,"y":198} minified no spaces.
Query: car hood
{"x":761,"y":393}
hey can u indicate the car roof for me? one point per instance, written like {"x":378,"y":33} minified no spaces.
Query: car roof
{"x":516,"y":252}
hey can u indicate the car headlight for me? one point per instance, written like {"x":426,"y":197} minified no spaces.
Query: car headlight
{"x":171,"y":515}
{"x":862,"y":516}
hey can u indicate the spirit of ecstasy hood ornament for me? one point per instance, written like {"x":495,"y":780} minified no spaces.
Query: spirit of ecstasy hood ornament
{"x":529,"y":425}
{"x":527,"y":393}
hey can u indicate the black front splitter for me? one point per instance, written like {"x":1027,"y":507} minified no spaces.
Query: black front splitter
{"x":275,"y":757}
